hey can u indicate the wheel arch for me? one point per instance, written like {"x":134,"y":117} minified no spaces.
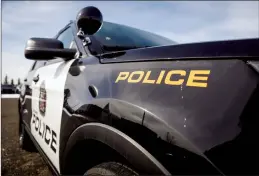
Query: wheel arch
{"x":118,"y":118}
{"x":114,"y":139}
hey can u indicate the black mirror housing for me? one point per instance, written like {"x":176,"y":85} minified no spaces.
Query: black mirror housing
{"x":89,"y":20}
{"x":47,"y":49}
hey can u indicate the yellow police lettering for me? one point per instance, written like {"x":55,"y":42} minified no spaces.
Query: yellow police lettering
{"x":160,"y":77}
{"x":138,"y":74}
{"x":122,"y":76}
{"x":147,"y":80}
{"x":174,"y":72}
{"x":196,"y":78}
{"x":193,"y":78}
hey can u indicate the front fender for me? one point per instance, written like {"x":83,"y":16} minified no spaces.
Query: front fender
{"x":120,"y":142}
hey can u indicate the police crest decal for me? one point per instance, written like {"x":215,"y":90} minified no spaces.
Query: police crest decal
{"x":42,"y":99}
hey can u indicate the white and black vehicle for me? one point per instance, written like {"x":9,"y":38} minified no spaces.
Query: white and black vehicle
{"x":103,"y":98}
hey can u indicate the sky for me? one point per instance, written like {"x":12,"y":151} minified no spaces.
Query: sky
{"x":181,"y":21}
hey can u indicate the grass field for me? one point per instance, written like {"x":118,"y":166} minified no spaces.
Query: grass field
{"x":14,"y":160}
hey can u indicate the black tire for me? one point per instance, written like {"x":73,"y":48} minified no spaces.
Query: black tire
{"x":110,"y":168}
{"x":25,"y":142}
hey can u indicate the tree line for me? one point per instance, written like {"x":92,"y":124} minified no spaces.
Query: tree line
{"x":6,"y":81}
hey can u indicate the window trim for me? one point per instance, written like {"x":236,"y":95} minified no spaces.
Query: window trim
{"x":63,"y":30}
{"x":73,"y":34}
{"x":33,"y":66}
{"x":35,"y":63}
{"x":52,"y":61}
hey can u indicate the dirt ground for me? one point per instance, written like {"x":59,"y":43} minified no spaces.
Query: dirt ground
{"x":14,"y":160}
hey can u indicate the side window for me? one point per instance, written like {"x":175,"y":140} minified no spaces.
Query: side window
{"x":38,"y":64}
{"x":67,"y":38}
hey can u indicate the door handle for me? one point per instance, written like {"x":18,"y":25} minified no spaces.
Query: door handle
{"x":36,"y":78}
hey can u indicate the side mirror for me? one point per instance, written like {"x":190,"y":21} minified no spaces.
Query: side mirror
{"x":89,"y":20}
{"x":47,"y":49}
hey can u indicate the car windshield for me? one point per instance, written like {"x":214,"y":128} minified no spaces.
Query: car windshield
{"x":114,"y":37}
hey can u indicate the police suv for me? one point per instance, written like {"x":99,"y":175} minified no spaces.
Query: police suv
{"x":108,"y":99}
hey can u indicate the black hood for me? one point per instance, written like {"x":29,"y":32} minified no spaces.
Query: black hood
{"x":245,"y":48}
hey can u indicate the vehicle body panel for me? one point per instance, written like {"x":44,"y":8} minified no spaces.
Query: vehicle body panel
{"x":245,"y":49}
{"x":190,"y":96}
{"x":180,"y":118}
{"x":195,"y":118}
{"x":45,"y":125}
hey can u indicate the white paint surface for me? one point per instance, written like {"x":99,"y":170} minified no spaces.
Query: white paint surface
{"x":10,"y":96}
{"x":55,"y":76}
